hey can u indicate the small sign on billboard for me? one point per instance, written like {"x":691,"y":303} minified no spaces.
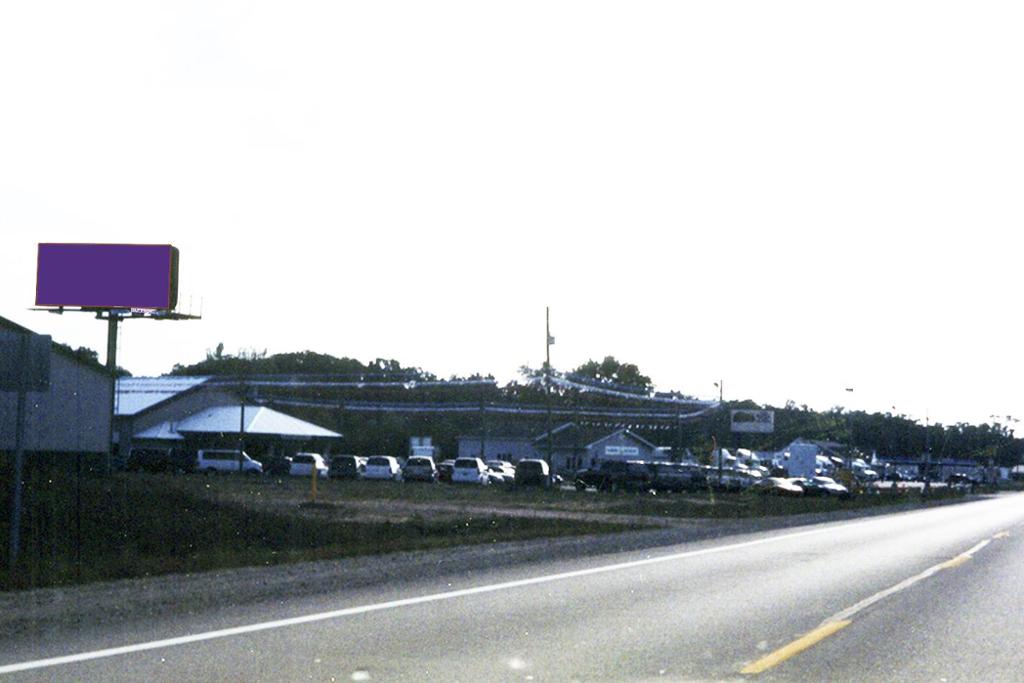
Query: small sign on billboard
{"x":753,"y":421}
{"x":143,"y":276}
{"x":30,"y":372}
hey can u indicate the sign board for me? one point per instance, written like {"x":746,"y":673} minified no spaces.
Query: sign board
{"x":753,"y":421}
{"x":624,"y":451}
{"x":31,"y":373}
{"x":107,"y":276}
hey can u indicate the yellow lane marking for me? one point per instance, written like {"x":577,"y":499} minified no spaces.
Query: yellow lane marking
{"x":794,"y":648}
{"x":843,"y":619}
{"x":955,"y":562}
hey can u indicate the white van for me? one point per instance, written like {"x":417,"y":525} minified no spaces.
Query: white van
{"x":303,"y":464}
{"x":382,"y":467}
{"x":216,"y":460}
{"x":470,"y":471}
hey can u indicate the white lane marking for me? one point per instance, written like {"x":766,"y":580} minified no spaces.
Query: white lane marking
{"x":392,"y":604}
{"x":848,"y":613}
{"x":407,"y":602}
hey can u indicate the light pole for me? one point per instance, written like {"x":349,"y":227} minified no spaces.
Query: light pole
{"x":721,"y":390}
{"x":849,"y":430}
{"x":927,"y":457}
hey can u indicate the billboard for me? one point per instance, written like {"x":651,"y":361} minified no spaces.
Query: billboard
{"x":753,"y":421}
{"x":107,"y":276}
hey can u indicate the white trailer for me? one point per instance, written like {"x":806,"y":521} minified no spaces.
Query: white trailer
{"x":801,"y":460}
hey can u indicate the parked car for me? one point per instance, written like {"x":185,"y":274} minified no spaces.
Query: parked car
{"x":532,"y":473}
{"x":501,"y":472}
{"x":210,"y":460}
{"x":347,"y":467}
{"x":614,"y":475}
{"x":821,"y":486}
{"x":731,"y":479}
{"x":420,"y":468}
{"x":832,"y":487}
{"x":382,"y":467}
{"x":778,"y":486}
{"x":303,"y":465}
{"x":279,"y":466}
{"x":159,"y":460}
{"x":470,"y":471}
{"x":960,"y":481}
{"x":677,"y":477}
{"x":444,"y":470}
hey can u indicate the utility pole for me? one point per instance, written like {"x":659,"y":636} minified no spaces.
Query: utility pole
{"x":483,"y":423}
{"x":241,"y":424}
{"x":548,"y":341}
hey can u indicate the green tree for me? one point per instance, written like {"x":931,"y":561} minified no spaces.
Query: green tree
{"x":611,"y":370}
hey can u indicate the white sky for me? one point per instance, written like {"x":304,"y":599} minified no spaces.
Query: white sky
{"x":795,"y":197}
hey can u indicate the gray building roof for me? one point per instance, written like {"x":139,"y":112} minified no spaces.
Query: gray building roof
{"x":136,"y":394}
{"x":624,"y":432}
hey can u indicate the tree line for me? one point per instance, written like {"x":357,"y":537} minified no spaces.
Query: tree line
{"x":388,"y":432}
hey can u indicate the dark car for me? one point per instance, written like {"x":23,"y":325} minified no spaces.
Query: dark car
{"x":532,"y":473}
{"x":160,"y":460}
{"x":821,"y":487}
{"x":778,"y":486}
{"x":672,"y":476}
{"x":419,"y":468}
{"x":279,"y":466}
{"x":961,"y":482}
{"x":346,"y":467}
{"x":615,"y":475}
{"x":444,"y":470}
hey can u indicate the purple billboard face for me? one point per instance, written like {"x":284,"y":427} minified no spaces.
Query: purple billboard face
{"x":107,"y":275}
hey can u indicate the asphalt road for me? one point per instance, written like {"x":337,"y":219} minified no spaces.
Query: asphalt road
{"x":929,"y":595}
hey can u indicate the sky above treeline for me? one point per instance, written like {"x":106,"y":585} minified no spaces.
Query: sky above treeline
{"x":794,"y":197}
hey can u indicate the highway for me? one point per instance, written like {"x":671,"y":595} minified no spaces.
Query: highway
{"x":928,"y":595}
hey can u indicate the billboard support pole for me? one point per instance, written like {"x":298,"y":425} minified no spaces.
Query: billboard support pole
{"x":113,"y":318}
{"x":19,"y":455}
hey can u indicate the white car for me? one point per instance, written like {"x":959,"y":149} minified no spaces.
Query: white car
{"x":470,"y":471}
{"x":382,"y":467}
{"x":304,"y":463}
{"x":501,"y":472}
{"x":215,"y":460}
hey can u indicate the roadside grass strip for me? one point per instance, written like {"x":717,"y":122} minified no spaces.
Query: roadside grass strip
{"x":842,"y":619}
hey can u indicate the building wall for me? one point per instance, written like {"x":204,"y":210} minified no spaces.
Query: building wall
{"x":497,"y":448}
{"x":566,"y":461}
{"x":620,"y":447}
{"x":73,"y":416}
{"x":176,"y":410}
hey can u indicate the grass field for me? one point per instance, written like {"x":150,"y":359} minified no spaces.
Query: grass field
{"x":142,"y":525}
{"x":687,"y":505}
